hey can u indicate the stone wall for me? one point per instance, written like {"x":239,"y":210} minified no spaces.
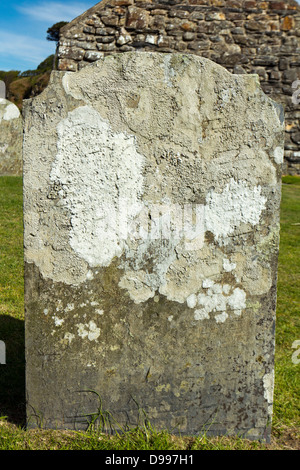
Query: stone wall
{"x":11,"y":139}
{"x":151,"y":212}
{"x":245,"y":36}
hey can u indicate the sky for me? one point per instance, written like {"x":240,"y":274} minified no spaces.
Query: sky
{"x":23,"y":29}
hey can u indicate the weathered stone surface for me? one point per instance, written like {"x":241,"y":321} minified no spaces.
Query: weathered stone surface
{"x":11,"y":136}
{"x":151,"y":212}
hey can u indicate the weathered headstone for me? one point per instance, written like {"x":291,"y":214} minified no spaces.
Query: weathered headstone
{"x":11,"y":137}
{"x":2,"y":90}
{"x":151,"y":211}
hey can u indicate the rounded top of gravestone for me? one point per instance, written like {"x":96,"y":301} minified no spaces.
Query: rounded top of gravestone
{"x":8,"y":110}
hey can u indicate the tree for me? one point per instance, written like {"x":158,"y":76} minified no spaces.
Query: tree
{"x":53,"y":35}
{"x":53,"y":32}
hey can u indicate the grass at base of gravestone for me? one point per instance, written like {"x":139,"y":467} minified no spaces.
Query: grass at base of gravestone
{"x":286,"y":420}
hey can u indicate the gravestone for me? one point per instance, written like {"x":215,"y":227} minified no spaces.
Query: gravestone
{"x":151,"y":214}
{"x":2,"y":90}
{"x":11,"y":136}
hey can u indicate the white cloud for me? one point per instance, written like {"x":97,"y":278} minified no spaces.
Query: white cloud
{"x":52,"y":12}
{"x":30,"y":50}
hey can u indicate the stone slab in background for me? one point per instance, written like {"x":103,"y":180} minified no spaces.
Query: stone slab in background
{"x":151,"y":208}
{"x":11,"y":138}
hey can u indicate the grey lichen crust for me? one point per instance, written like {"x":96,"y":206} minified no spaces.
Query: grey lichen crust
{"x":124,"y":296}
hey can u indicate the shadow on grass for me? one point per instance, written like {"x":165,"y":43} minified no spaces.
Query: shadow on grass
{"x":12,"y":373}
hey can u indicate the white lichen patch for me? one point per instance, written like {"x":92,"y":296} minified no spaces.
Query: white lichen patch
{"x":221,"y":317}
{"x":226,"y":288}
{"x":268,"y":381}
{"x":237,"y":301}
{"x":279,"y":155}
{"x":201,"y":314}
{"x":69,"y":337}
{"x":169,"y":72}
{"x":207,"y":283}
{"x":217,"y":299}
{"x":69,"y":307}
{"x":58,"y":321}
{"x":89,"y":276}
{"x":227,"y":266}
{"x":96,"y":173}
{"x":89,"y":331}
{"x":191,"y":301}
{"x":3,"y":147}
{"x":236,"y":204}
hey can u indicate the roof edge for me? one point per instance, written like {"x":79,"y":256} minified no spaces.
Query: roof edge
{"x":83,"y":15}
{"x":102,"y":4}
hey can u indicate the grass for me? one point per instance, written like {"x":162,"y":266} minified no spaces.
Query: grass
{"x":13,"y":436}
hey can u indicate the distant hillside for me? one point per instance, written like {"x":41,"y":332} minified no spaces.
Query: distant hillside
{"x":23,"y":85}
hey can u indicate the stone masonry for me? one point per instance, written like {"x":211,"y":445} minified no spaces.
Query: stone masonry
{"x":151,"y":213}
{"x":245,"y":36}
